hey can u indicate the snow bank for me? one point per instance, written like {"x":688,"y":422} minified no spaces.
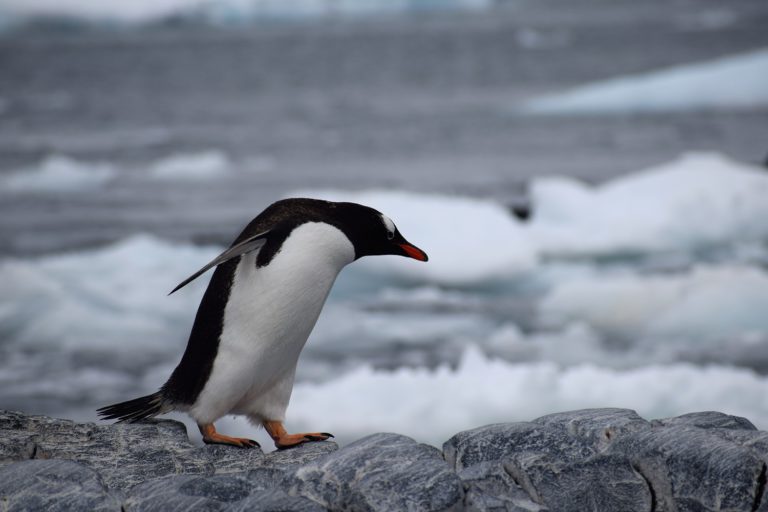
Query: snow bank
{"x":706,"y":302}
{"x":697,"y":200}
{"x":119,"y":292}
{"x":111,"y":299}
{"x":221,"y":11}
{"x":202,"y":166}
{"x":433,"y":405}
{"x":467,"y":240}
{"x":737,"y":82}
{"x":116,"y":10}
{"x":58,"y":173}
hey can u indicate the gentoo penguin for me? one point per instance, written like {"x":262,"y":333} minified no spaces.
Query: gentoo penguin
{"x":260,"y":306}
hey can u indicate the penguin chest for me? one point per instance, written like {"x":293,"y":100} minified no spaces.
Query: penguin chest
{"x":271,"y":312}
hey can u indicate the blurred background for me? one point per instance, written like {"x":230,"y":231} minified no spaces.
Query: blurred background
{"x":587,"y":176}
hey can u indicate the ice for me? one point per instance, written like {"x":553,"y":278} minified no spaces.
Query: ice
{"x":432,"y":405}
{"x":119,"y":10}
{"x":202,"y":166}
{"x":59,"y":173}
{"x":220,"y":11}
{"x":735,"y":82}
{"x":468,"y":240}
{"x":697,"y":200}
{"x":574,"y":316}
{"x":707,"y":302}
{"x":96,"y":297}
{"x":112,"y":299}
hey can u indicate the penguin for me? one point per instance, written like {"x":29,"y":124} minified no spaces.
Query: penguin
{"x":261,"y":304}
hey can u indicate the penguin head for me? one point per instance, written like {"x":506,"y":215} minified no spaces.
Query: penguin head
{"x":372,"y":233}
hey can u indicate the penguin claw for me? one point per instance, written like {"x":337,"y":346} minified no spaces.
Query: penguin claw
{"x":285,"y":440}
{"x":322,"y":436}
{"x":240,"y":442}
{"x":210,"y":436}
{"x":294,"y":440}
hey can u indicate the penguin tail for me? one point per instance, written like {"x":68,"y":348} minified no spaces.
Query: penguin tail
{"x":135,"y":410}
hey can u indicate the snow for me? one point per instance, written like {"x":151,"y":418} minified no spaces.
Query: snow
{"x":202,"y":166}
{"x":735,"y":82}
{"x":432,"y":405}
{"x":220,"y":11}
{"x":100,"y":325}
{"x":119,"y":292}
{"x":123,"y":10}
{"x":696,"y":201}
{"x":111,"y":299}
{"x":59,"y":173}
{"x":704,"y":302}
{"x":467,"y":240}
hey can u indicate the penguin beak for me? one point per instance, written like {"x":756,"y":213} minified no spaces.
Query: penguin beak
{"x":413,"y":252}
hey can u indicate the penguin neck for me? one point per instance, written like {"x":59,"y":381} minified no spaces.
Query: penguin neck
{"x":320,"y":245}
{"x":311,"y":255}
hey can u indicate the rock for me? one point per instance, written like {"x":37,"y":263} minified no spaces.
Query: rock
{"x":612,"y":459}
{"x":218,"y":492}
{"x":707,"y":419}
{"x":594,"y":459}
{"x":692,"y":468}
{"x":506,"y":440}
{"x":127,"y":454}
{"x":597,"y":428}
{"x":488,"y":486}
{"x":53,"y":485}
{"x":123,"y":454}
{"x":382,"y":472}
{"x":226,"y":459}
{"x":557,"y":461}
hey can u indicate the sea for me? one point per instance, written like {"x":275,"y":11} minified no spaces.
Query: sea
{"x":588,"y":178}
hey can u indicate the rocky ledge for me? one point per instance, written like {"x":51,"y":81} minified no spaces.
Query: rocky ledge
{"x":596,"y":459}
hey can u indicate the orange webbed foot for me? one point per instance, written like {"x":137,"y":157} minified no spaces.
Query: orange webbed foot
{"x":285,"y":440}
{"x":210,"y":436}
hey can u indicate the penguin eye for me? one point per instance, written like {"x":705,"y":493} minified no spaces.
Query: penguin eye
{"x":390,"y":235}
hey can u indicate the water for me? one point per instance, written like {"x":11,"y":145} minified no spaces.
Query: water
{"x":127,"y":159}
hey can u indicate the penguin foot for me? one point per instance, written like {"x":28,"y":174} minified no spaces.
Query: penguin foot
{"x":210,"y":436}
{"x":285,"y":440}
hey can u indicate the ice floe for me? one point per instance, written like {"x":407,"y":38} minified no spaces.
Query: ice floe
{"x":202,"y":166}
{"x":734,"y":82}
{"x":59,"y":173}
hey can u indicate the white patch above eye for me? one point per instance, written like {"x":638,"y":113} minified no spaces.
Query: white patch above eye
{"x":388,"y":223}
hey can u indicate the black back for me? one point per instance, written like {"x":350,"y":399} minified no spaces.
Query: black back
{"x":362,"y":225}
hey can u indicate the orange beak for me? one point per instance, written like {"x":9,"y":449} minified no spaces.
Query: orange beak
{"x":414,"y":252}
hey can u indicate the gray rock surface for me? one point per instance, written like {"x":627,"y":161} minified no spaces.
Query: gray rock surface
{"x":382,"y":472}
{"x":53,"y":485}
{"x":611,"y":459}
{"x":595,"y":459}
{"x":240,"y":492}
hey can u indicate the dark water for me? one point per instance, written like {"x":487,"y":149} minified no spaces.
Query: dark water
{"x":423,"y":103}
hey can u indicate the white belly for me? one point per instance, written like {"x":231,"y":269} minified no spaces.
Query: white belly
{"x":267,"y":320}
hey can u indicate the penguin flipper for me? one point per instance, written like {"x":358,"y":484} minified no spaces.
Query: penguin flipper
{"x":246,"y":246}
